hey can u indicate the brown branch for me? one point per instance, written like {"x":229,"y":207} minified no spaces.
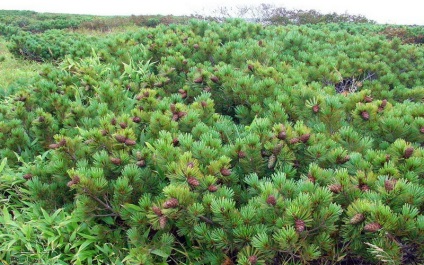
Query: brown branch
{"x":206,"y":220}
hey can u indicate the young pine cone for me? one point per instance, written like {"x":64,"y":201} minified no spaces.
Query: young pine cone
{"x":157,"y":210}
{"x":27,"y":176}
{"x":253,"y":259}
{"x":271,"y":161}
{"x":162,"y":221}
{"x":294,"y":140}
{"x":212,"y":188}
{"x":120,"y":138}
{"x":357,"y":218}
{"x":305,"y":137}
{"x":335,"y":188}
{"x":282,"y":135}
{"x":115,"y":160}
{"x":365,"y":115}
{"x":389,"y":184}
{"x":299,"y":225}
{"x":130,"y":142}
{"x":171,"y":203}
{"x":372,"y":227}
{"x":193,"y":181}
{"x":408,"y":152}
{"x":225,"y":172}
{"x":271,"y":200}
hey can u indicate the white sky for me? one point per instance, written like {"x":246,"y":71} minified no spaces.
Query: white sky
{"x":383,"y":11}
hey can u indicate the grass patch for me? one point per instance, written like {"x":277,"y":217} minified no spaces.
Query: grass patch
{"x":13,"y":69}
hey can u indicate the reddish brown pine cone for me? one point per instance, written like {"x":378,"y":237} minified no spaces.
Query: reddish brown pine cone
{"x":54,"y":146}
{"x":294,"y":140}
{"x":372,"y":227}
{"x":175,"y":142}
{"x":196,"y":46}
{"x":158,"y":84}
{"x":170,"y":203}
{"x":241,"y":154}
{"x":41,"y":119}
{"x":383,"y":103}
{"x":198,"y":80}
{"x":215,"y":79}
{"x":70,"y":183}
{"x":113,"y":121}
{"x":146,"y":94}
{"x":62,"y":142}
{"x":335,"y":188}
{"x":136,"y":119}
{"x":282,"y":135}
{"x":299,"y":225}
{"x":225,"y":172}
{"x":227,"y":261}
{"x":103,"y":132}
{"x":162,"y":221}
{"x":212,"y":188}
{"x":365,"y":115}
{"x":204,"y":104}
{"x":193,"y":181}
{"x":305,"y":137}
{"x":120,"y":138}
{"x":123,"y":125}
{"x":175,"y":117}
{"x":27,"y":176}
{"x":422,"y":129}
{"x":115,"y":160}
{"x":250,"y":67}
{"x":342,"y":160}
{"x":157,"y":210}
{"x":364,"y":187}
{"x":76,"y":179}
{"x":130,"y":142}
{"x":389,"y":184}
{"x":141,"y":163}
{"x":368,"y":99}
{"x":181,"y":114}
{"x":271,"y":200}
{"x":316,"y":108}
{"x":357,"y":218}
{"x":408,"y":152}
{"x":311,"y":178}
{"x":253,"y":260}
{"x":172,"y":108}
{"x":190,"y":164}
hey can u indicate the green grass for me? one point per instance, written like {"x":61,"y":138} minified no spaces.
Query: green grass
{"x":12,"y":69}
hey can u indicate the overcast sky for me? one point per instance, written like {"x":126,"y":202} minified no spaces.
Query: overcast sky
{"x":393,"y":12}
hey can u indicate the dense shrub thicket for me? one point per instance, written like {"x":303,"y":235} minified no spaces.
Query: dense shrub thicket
{"x":208,"y":143}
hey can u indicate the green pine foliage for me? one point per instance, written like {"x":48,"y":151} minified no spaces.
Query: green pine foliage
{"x":209,"y":143}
